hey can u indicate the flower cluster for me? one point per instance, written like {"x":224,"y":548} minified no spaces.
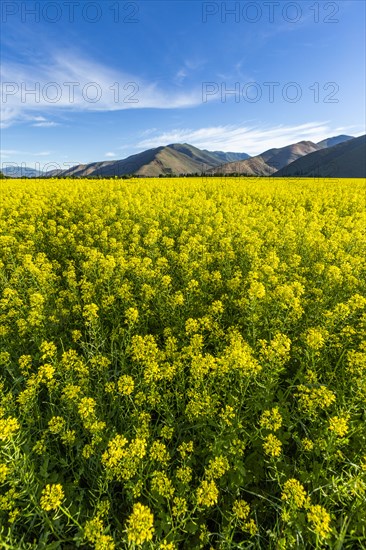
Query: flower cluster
{"x":52,"y":497}
{"x":140,"y":524}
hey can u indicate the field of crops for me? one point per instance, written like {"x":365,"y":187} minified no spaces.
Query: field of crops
{"x":183,"y":364}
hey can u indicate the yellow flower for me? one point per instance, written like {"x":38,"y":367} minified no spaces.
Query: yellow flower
{"x":137,"y":488}
{"x":122,"y":460}
{"x":131,"y":316}
{"x":71,"y":392}
{"x":207,"y":493}
{"x":272,"y":445}
{"x":105,"y":542}
{"x":314,"y":339}
{"x":271,"y":419}
{"x":140,"y":524}
{"x":4,"y":357}
{"x":48,"y":350}
{"x":237,"y":447}
{"x":68,"y":437}
{"x":217,"y":467}
{"x":103,"y":507}
{"x":76,"y":335}
{"x":251,"y":527}
{"x":178,"y":299}
{"x":25,"y":363}
{"x":159,"y":453}
{"x":88,"y":451}
{"x":277,"y":351}
{"x":166,"y":280}
{"x":13,"y":515}
{"x":87,"y":407}
{"x":4,"y":470}
{"x":161,"y":484}
{"x":45,"y":374}
{"x":125,"y":384}
{"x":167,"y":546}
{"x":185,"y":448}
{"x":339,"y":425}
{"x":93,"y":532}
{"x":52,"y":497}
{"x":166,"y":432}
{"x":110,"y":387}
{"x":180,"y":506}
{"x":319,"y":520}
{"x":311,"y":376}
{"x":56,"y":424}
{"x":227,"y":415}
{"x":294,"y":493}
{"x":307,"y":444}
{"x":241,"y":509}
{"x":311,"y":399}
{"x":192,"y":326}
{"x":217,"y":307}
{"x":241,"y":512}
{"x":256,"y":290}
{"x":90,"y":313}
{"x":40,"y":447}
{"x":238,"y":356}
{"x":93,"y":529}
{"x":184,"y":474}
{"x":8,"y":427}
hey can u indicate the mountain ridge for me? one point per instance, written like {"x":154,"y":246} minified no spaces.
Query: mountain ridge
{"x":344,"y":160}
{"x":184,"y":159}
{"x":335,"y":140}
{"x":268,"y":162}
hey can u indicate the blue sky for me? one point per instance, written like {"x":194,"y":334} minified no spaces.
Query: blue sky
{"x":113,"y":78}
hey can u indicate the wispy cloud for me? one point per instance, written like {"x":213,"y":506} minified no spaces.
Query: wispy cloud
{"x":181,"y":76}
{"x":110,"y":154}
{"x":6,"y":153}
{"x":251,"y":140}
{"x":71,"y":81}
{"x":189,"y":67}
{"x":46,"y":124}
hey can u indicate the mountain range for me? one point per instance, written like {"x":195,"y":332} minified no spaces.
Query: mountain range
{"x":344,"y":160}
{"x":271,"y":161}
{"x":15,"y":171}
{"x":173,"y":159}
{"x":342,"y":156}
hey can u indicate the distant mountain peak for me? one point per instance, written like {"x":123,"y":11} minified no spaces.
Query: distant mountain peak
{"x":335,"y":140}
{"x":15,"y":171}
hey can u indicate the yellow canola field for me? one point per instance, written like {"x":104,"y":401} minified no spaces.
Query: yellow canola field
{"x":183,"y":364}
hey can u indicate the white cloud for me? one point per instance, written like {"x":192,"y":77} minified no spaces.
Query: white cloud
{"x":251,"y":140}
{"x":189,"y":66}
{"x":73,"y":82}
{"x":181,"y":75}
{"x":46,"y":124}
{"x":13,"y":152}
{"x":149,"y":131}
{"x":8,"y":152}
{"x":110,"y":154}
